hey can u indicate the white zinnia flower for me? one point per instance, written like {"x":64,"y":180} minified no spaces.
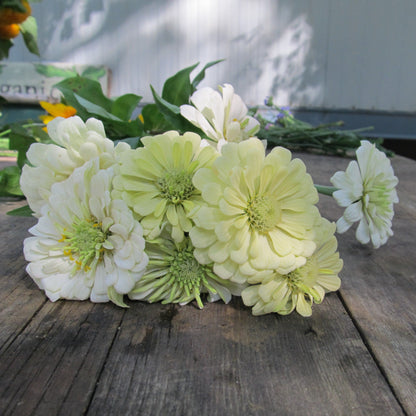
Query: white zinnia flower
{"x":259,"y":212}
{"x":85,"y":244}
{"x":223,"y":118}
{"x":299,"y":289}
{"x":367,"y":190}
{"x":156,"y":181}
{"x":174,"y":275}
{"x":76,"y":143}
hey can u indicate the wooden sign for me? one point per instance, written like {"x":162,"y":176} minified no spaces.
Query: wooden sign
{"x":26,"y":82}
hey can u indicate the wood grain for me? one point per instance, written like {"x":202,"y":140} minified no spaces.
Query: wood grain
{"x":379,"y":286}
{"x":222,"y":360}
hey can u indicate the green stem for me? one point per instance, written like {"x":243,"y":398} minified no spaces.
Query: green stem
{"x":326,"y":190}
{"x":8,"y":131}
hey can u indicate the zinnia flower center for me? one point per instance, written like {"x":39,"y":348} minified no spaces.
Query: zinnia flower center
{"x":188,"y":273}
{"x":176,"y":186}
{"x":303,"y":278}
{"x":377,"y":194}
{"x":263,"y":213}
{"x":84,"y":243}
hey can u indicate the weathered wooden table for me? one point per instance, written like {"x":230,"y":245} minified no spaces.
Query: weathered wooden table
{"x":356,"y":355}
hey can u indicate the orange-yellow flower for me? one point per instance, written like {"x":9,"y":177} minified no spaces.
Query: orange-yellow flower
{"x":9,"y":15}
{"x":56,"y":110}
{"x":9,"y":31}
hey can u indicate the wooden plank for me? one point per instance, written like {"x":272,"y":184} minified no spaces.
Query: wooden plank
{"x":53,"y":365}
{"x":70,"y":357}
{"x":222,"y":360}
{"x":19,"y":296}
{"x":379,"y":286}
{"x":50,"y":354}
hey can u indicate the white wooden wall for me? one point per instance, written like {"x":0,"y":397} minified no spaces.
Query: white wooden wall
{"x":343,"y":54}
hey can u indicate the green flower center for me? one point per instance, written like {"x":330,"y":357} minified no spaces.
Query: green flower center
{"x":263,"y":213}
{"x":378,"y":195}
{"x":188,"y":273}
{"x":176,"y":186}
{"x":84,"y":243}
{"x":302,"y":279}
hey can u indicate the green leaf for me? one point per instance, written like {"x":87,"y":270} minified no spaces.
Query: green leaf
{"x":170,"y":111}
{"x":5,"y":45}
{"x":116,"y":130}
{"x":14,"y":4}
{"x":85,"y":88}
{"x":154,"y":121}
{"x":95,"y":109}
{"x":24,"y":211}
{"x":29,"y":30}
{"x":172,"y":114}
{"x":115,"y":297}
{"x":54,"y":71}
{"x":20,"y":140}
{"x":133,"y":142}
{"x":94,"y":72}
{"x":178,"y":88}
{"x":124,"y":106}
{"x":201,"y":74}
{"x":9,"y":181}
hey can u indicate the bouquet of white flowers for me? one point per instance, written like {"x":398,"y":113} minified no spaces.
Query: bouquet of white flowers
{"x":185,"y":201}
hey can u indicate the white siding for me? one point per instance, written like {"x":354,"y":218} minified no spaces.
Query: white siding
{"x":343,"y":54}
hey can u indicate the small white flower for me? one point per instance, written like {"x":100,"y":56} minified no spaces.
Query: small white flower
{"x":223,"y":118}
{"x":302,"y":287}
{"x":367,"y":190}
{"x":85,"y":244}
{"x":76,"y":143}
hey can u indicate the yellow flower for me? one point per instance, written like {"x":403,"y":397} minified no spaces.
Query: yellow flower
{"x":282,"y":293}
{"x":56,"y":110}
{"x":9,"y":31}
{"x":259,"y":212}
{"x":9,"y":15}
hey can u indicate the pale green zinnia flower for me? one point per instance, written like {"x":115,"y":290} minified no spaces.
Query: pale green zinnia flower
{"x":367,"y":189}
{"x":222,"y":116}
{"x":156,"y":181}
{"x":259,"y":215}
{"x":76,"y":143}
{"x":174,"y":276}
{"x":299,"y":289}
{"x":85,"y":244}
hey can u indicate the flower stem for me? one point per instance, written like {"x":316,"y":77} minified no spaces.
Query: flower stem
{"x":326,"y":190}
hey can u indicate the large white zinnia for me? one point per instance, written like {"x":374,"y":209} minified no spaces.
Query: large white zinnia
{"x":156,"y":181}
{"x":222,"y":117}
{"x":367,"y":189}
{"x":85,"y":244}
{"x":76,"y":143}
{"x":259,"y":213}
